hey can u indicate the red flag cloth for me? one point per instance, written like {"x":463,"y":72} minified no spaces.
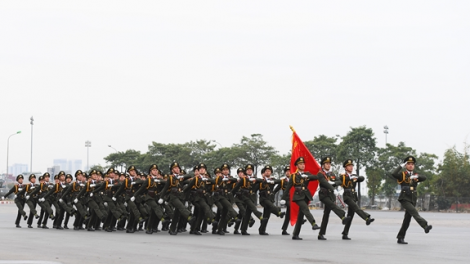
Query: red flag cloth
{"x":311,"y":165}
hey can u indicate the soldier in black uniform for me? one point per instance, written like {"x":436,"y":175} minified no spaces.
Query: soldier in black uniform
{"x":197,"y":192}
{"x":149,"y":191}
{"x":266,"y":198}
{"x":328,"y":194}
{"x":44,"y":203}
{"x":31,"y":200}
{"x":408,"y":181}
{"x":302,"y":195}
{"x":86,"y":198}
{"x":282,"y":185}
{"x":223,"y":193}
{"x":349,"y":181}
{"x":70,"y":194}
{"x":129,"y":186}
{"x":17,"y":189}
{"x":239,"y":202}
{"x":109,"y":188}
{"x":174,"y":188}
{"x":244,"y":190}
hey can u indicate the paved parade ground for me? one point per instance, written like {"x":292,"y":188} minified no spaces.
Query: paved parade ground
{"x":448,"y":242}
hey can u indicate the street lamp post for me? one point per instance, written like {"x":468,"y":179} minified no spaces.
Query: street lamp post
{"x":88,"y":145}
{"x":8,"y":149}
{"x":31,"y":163}
{"x":112,"y":148}
{"x":385,"y":132}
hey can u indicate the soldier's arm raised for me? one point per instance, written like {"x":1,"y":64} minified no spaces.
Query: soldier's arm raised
{"x":285,"y":195}
{"x":396,"y":173}
{"x":165,"y":188}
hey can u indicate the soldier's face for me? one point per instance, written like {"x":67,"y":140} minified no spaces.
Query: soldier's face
{"x":218,"y":174}
{"x":410,"y":166}
{"x":196,"y":172}
{"x":267,"y":173}
{"x":47,"y":179}
{"x":62,"y":178}
{"x":301,"y":166}
{"x":241,"y":174}
{"x":33,"y":180}
{"x":349,"y":168}
{"x":56,"y":180}
{"x":287,"y":173}
{"x":249,"y":171}
{"x":327,"y":166}
{"x":122,"y":178}
{"x":176,"y":170}
{"x":154,"y":172}
{"x":225,"y":171}
{"x":20,"y":181}
{"x":133,"y":173}
{"x":68,"y":180}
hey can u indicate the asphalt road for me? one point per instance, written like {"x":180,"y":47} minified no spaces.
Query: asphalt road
{"x":448,"y":242}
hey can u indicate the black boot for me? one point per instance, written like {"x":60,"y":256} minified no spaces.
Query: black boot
{"x":345,"y":237}
{"x":284,"y":233}
{"x":427,"y":229}
{"x":369,"y":220}
{"x":245,"y":233}
{"x":346,"y":220}
{"x":173,"y":233}
{"x":296,"y":238}
{"x":321,"y":237}
{"x":30,"y":226}
{"x":402,"y":241}
{"x":315,"y":227}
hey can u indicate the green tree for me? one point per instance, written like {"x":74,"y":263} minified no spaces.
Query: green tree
{"x":453,"y":179}
{"x":360,"y":146}
{"x":254,"y":150}
{"x":375,"y":176}
{"x":279,"y":162}
{"x":122,"y":160}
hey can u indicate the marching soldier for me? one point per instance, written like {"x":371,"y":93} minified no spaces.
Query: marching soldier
{"x":44,"y":203}
{"x":109,"y":188}
{"x":302,"y":196}
{"x":408,"y":181}
{"x":223,"y":192}
{"x":174,"y":188}
{"x":328,"y":194}
{"x":266,"y":198}
{"x":349,"y":181}
{"x":129,"y":187}
{"x":70,"y":194}
{"x":239,"y":202}
{"x":31,"y":200}
{"x":86,"y":198}
{"x":244,"y":190}
{"x":196,"y":188}
{"x":149,"y":191}
{"x":282,"y":186}
{"x":19,"y":199}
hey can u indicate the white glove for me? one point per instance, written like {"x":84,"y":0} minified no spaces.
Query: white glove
{"x":270,"y":182}
{"x":166,"y":203}
{"x":414,"y":177}
{"x":331,"y":182}
{"x":105,"y":204}
{"x":160,"y":201}
{"x":283,"y":202}
{"x":92,"y":185}
{"x":282,"y":178}
{"x":14,"y":197}
{"x":304,"y":176}
{"x":75,"y":200}
{"x":180,"y":177}
{"x":336,"y":192}
{"x":32,"y":188}
{"x":204,"y":179}
{"x":225,"y":179}
{"x":157,"y":181}
{"x":42,"y":199}
{"x":81,"y":184}
{"x":132,"y":198}
{"x":132,"y":183}
{"x":61,"y":201}
{"x":27,"y":197}
{"x":91,"y":194}
{"x":253,"y":179}
{"x":353,"y":177}
{"x":114,"y":198}
{"x":125,"y":204}
{"x":3,"y":198}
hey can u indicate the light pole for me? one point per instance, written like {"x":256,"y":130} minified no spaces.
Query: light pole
{"x":87,"y":145}
{"x":31,"y":163}
{"x":385,"y":132}
{"x":217,"y":143}
{"x":8,"y":149}
{"x":112,"y":148}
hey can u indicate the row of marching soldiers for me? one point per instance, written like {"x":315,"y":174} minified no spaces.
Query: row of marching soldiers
{"x":133,"y":201}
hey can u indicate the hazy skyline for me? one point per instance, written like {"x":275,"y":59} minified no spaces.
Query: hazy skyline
{"x":125,"y":74}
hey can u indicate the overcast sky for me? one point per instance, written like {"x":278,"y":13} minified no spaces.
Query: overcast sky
{"x":126,"y":73}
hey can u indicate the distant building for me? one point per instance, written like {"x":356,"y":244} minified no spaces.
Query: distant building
{"x":18,"y":168}
{"x":68,"y":166}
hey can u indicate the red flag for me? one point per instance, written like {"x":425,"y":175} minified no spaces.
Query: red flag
{"x":311,"y":165}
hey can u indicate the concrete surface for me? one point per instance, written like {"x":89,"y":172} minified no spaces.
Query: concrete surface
{"x":448,"y":242}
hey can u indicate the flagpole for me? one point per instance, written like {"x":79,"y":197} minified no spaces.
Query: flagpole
{"x":291,"y":128}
